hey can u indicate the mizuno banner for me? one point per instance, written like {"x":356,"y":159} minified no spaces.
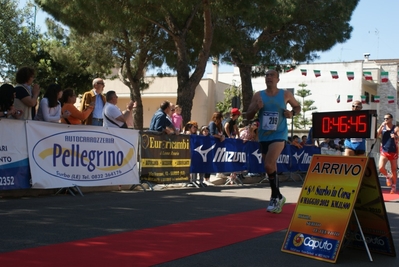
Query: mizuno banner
{"x":209,"y":155}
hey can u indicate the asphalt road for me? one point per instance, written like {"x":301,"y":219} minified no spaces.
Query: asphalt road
{"x":36,"y":221}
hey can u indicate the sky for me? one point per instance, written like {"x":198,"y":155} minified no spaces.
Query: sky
{"x":375,"y":31}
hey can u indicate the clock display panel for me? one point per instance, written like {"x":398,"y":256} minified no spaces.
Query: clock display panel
{"x":344,"y":124}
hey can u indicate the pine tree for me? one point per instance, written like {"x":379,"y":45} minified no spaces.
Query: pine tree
{"x":300,"y":121}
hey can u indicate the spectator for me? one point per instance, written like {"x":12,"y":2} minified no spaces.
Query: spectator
{"x":49,"y":107}
{"x":325,"y":143}
{"x":160,"y":121}
{"x":177,"y":118}
{"x":250,"y":132}
{"x":295,"y":141}
{"x":113,"y":116}
{"x":355,"y":146}
{"x":171,"y":111}
{"x":230,"y":125}
{"x":26,"y":93}
{"x":204,"y":176}
{"x":68,"y":101}
{"x":128,"y":114}
{"x":7,"y":96}
{"x":191,"y":128}
{"x":216,"y":130}
{"x":215,"y":126}
{"x":310,"y":141}
{"x":303,"y":140}
{"x":94,"y":98}
{"x":389,"y":150}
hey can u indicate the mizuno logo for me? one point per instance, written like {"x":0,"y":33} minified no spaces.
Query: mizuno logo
{"x":297,"y":157}
{"x":221,"y":155}
{"x":258,"y":156}
{"x":204,"y":153}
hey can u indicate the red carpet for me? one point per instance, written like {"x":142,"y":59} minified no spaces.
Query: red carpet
{"x":389,"y":197}
{"x":154,"y":245}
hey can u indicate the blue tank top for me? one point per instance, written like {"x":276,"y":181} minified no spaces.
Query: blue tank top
{"x":388,"y":144}
{"x":273,"y":123}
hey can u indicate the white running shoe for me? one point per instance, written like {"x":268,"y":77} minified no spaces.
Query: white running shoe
{"x":280,"y":204}
{"x":272,"y":205}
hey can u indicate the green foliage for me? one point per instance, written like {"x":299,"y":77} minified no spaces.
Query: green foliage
{"x":273,"y":33}
{"x":300,"y":121}
{"x":226,"y":105}
{"x":18,"y":39}
{"x":57,"y":56}
{"x":72,"y":60}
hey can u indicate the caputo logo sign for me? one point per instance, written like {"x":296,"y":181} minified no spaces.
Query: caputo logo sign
{"x":96,"y":154}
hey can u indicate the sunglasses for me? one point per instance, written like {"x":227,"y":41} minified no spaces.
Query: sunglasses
{"x":101,"y":83}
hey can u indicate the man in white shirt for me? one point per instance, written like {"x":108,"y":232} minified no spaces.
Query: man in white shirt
{"x":112,"y":115}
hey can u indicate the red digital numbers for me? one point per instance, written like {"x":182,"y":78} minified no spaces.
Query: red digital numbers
{"x":361,"y":123}
{"x":325,"y":125}
{"x":344,"y":124}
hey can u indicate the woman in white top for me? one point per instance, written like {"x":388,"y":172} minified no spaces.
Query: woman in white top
{"x":50,"y":107}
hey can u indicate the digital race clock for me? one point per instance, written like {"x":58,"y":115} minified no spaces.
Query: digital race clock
{"x":344,"y":124}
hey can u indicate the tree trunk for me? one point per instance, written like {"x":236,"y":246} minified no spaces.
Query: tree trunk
{"x":133,"y":82}
{"x":246,"y":87}
{"x":186,"y":84}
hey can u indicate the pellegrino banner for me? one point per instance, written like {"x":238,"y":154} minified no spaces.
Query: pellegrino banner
{"x":77,"y":155}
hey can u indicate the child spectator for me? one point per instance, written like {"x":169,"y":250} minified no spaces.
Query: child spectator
{"x":205,"y":132}
{"x":177,"y":119}
{"x":191,"y":128}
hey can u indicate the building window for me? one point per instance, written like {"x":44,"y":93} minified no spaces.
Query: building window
{"x":368,"y":97}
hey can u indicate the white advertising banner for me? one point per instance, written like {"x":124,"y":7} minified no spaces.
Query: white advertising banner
{"x":62,"y":155}
{"x":14,"y":165}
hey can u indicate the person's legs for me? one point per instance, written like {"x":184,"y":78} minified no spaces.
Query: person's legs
{"x":270,"y":162}
{"x":381,"y":167}
{"x":394,"y":166}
